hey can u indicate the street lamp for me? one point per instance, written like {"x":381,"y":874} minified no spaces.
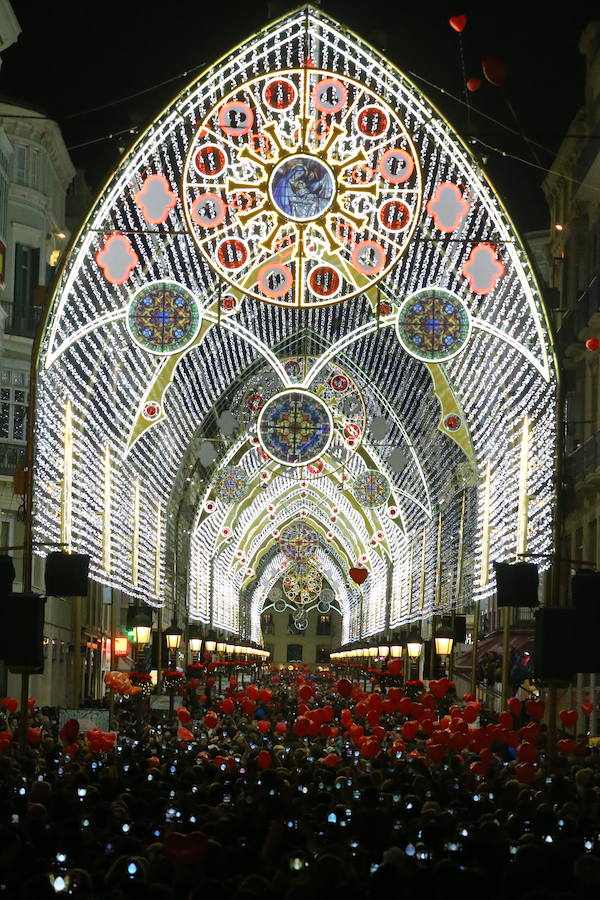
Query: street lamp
{"x":173,"y":636}
{"x":195,"y":641}
{"x":414,"y":648}
{"x":142,"y":630}
{"x":444,"y":640}
{"x":210,"y":642}
{"x":396,"y":647}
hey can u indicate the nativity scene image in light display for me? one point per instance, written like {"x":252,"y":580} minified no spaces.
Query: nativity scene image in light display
{"x":297,"y":340}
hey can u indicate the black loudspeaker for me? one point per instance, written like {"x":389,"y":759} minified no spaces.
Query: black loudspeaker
{"x":556,"y":650}
{"x":67,"y":574}
{"x":22,"y":631}
{"x":7,"y":574}
{"x":460,"y":629}
{"x":585,"y":591}
{"x":517,"y":585}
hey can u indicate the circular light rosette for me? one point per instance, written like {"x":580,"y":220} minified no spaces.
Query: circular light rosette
{"x":371,"y":488}
{"x":302,"y":188}
{"x":433,"y":325}
{"x":163,"y":317}
{"x":295,"y":427}
{"x":298,"y":541}
{"x":231,"y":484}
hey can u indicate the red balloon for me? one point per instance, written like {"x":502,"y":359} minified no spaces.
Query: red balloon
{"x":10,"y":704}
{"x":405,"y":706}
{"x":328,"y":713}
{"x":568,"y":717}
{"x":249,"y":706}
{"x":479,"y":767}
{"x":301,"y":726}
{"x":457,"y":23}
{"x":395,"y":667}
{"x":211,"y":719}
{"x":409,"y":730}
{"x":252,"y":691}
{"x":494,"y":70}
{"x":587,"y":708}
{"x":473,"y":84}
{"x":525,"y":772}
{"x":264,"y":695}
{"x":566,"y":746}
{"x":344,"y":687}
{"x":183,"y":715}
{"x":370,"y":748}
{"x":514,"y":704}
{"x":505,"y":720}
{"x":358,"y":576}
{"x":185,"y":734}
{"x":435,"y":752}
{"x":527,"y":752}
{"x":69,"y":731}
{"x":153,"y":762}
{"x":264,"y":759}
{"x":31,"y":703}
{"x":227,"y":706}
{"x":281,"y":728}
{"x":592,"y":344}
{"x":531,"y":732}
{"x":361,"y":708}
{"x":264,"y":726}
{"x":373,"y":717}
{"x":470,"y":714}
{"x":306,"y":691}
{"x":34,"y":735}
{"x":331,"y":760}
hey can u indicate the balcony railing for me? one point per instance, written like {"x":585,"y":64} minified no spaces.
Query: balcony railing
{"x":10,"y":457}
{"x":585,"y":461}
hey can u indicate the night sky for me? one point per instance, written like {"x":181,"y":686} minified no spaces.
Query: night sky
{"x":75,"y":56}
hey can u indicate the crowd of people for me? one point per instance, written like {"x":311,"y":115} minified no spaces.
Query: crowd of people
{"x":300,"y":785}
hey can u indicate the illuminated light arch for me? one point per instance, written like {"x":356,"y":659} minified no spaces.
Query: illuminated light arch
{"x":382,"y":158}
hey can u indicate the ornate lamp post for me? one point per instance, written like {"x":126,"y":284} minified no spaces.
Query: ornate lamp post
{"x":173,"y":636}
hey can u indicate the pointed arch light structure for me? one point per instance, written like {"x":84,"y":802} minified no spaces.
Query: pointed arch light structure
{"x":299,"y":221}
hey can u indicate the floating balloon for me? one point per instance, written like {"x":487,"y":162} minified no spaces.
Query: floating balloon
{"x":358,"y":576}
{"x":494,"y":70}
{"x":592,"y":344}
{"x":458,"y":23}
{"x":473,"y":84}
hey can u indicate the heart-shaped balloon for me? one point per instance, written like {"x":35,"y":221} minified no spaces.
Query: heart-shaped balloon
{"x":358,"y":576}
{"x":568,"y":717}
{"x":457,"y":23}
{"x":566,"y":746}
{"x":525,"y":772}
{"x":587,"y":708}
{"x":344,"y":687}
{"x":494,"y":70}
{"x":409,"y":730}
{"x":185,"y":849}
{"x":435,"y":752}
{"x":535,"y":708}
{"x":527,"y":752}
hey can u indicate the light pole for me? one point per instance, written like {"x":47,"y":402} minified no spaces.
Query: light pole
{"x":173,"y":636}
{"x":443,"y":642}
{"x":142,"y":632}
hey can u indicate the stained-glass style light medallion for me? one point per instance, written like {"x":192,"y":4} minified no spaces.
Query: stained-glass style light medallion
{"x":295,"y":427}
{"x":371,"y":488}
{"x":302,"y":582}
{"x":302,"y":187}
{"x":163,"y":317}
{"x":231,"y":484}
{"x":298,"y":541}
{"x":433,"y":325}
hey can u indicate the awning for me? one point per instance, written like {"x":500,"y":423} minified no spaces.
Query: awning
{"x":493,"y":644}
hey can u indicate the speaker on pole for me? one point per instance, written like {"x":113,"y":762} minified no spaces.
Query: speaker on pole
{"x":517,"y":584}
{"x":67,"y":574}
{"x":22,"y":632}
{"x":556,"y":650}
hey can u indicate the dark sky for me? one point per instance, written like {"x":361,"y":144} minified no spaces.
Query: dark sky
{"x":75,"y":56}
